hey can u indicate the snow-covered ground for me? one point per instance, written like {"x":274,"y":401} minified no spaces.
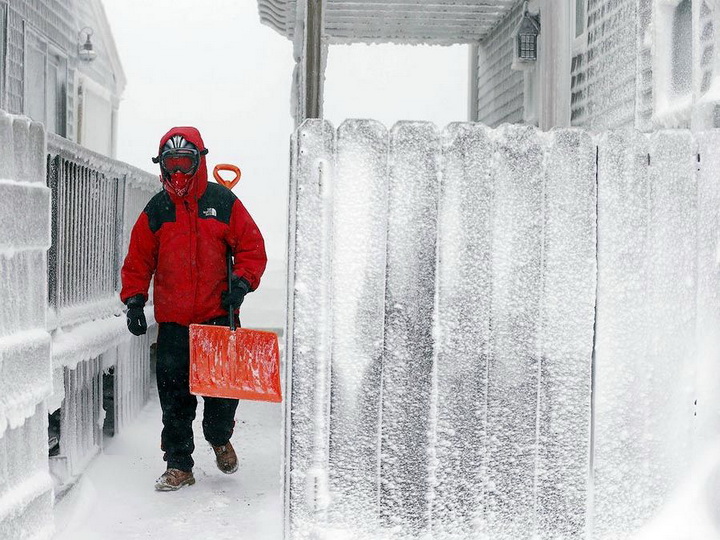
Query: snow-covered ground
{"x":115,"y":498}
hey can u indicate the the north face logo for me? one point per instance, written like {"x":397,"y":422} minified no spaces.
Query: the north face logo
{"x":210,"y":212}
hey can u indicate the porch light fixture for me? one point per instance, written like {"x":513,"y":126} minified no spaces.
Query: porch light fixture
{"x":526,"y":40}
{"x":86,"y":51}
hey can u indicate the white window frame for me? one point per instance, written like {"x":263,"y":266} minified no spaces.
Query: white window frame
{"x":50,"y":49}
{"x":84,"y":85}
{"x":579,"y":41}
{"x":670,"y":109}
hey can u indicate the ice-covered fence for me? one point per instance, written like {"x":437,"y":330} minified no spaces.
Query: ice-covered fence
{"x":25,"y":369}
{"x":81,"y":417}
{"x":497,"y":333}
{"x":96,"y":200}
{"x":131,"y":378}
{"x":90,"y":227}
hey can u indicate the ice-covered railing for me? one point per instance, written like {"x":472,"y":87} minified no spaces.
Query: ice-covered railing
{"x":95,"y":202}
{"x":503,"y":334}
{"x":100,"y":372}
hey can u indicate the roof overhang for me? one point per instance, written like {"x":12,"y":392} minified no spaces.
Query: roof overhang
{"x":444,"y":22}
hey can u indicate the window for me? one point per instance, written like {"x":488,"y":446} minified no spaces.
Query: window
{"x":45,"y":96}
{"x":528,"y":47}
{"x":578,"y":25}
{"x":682,"y":48}
{"x":579,"y":17}
{"x":96,"y":117}
{"x":671,"y":37}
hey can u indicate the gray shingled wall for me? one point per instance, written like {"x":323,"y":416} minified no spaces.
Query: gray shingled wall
{"x":604,"y":75}
{"x":500,"y":89}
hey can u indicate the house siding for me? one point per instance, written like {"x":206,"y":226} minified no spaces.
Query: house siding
{"x":58,"y":21}
{"x":55,"y":21}
{"x":100,"y":69}
{"x":500,"y":89}
{"x":603,"y":84}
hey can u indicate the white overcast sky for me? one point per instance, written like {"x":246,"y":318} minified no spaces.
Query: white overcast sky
{"x":215,"y":66}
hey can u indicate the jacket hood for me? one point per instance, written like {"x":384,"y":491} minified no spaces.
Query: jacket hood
{"x":200,"y":178}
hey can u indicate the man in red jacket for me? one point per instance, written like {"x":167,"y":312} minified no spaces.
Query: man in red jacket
{"x":182,"y":237}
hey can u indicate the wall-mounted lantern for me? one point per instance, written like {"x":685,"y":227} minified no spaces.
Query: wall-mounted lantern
{"x":526,"y":40}
{"x":86,"y":51}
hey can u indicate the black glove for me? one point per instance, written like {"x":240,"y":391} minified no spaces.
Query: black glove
{"x":235,"y":298}
{"x":136,"y":322}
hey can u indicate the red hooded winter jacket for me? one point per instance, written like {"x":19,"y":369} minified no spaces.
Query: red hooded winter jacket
{"x":183,"y":241}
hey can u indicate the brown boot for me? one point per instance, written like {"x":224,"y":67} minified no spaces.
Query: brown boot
{"x":226,"y":458}
{"x":174,"y":479}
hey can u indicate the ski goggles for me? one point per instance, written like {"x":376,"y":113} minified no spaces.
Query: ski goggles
{"x":182,"y":160}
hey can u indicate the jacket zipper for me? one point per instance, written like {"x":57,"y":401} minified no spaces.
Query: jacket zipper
{"x":193,"y":255}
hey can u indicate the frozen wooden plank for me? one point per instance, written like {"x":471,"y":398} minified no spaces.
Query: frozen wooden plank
{"x":307,"y":384}
{"x":672,"y":315}
{"x":515,"y":310}
{"x":620,"y":457}
{"x":409,"y":311}
{"x":565,"y":336}
{"x":463,"y":318}
{"x":358,"y":290}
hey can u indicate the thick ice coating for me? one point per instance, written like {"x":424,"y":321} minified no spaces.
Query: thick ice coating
{"x":309,"y":326}
{"x":359,"y":222}
{"x":409,"y":314}
{"x":498,"y":333}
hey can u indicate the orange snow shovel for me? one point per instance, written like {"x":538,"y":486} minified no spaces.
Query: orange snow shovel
{"x":234,"y":363}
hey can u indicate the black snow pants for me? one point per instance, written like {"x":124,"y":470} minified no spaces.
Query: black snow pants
{"x":178,"y":404}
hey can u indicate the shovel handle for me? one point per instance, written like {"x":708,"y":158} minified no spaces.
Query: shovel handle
{"x":231,"y":310}
{"x":230,"y":168}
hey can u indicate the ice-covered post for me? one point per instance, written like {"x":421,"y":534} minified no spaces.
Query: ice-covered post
{"x":25,"y":363}
{"x":309,"y":329}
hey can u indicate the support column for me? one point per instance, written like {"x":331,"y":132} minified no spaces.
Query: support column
{"x":310,"y":51}
{"x":473,"y":82}
{"x":314,"y":72}
{"x":555,"y":51}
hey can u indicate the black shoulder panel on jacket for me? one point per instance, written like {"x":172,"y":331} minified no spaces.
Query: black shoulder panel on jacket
{"x":216,"y":203}
{"x":160,"y":210}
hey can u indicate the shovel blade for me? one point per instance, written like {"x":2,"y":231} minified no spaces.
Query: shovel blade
{"x":239,"y":364}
